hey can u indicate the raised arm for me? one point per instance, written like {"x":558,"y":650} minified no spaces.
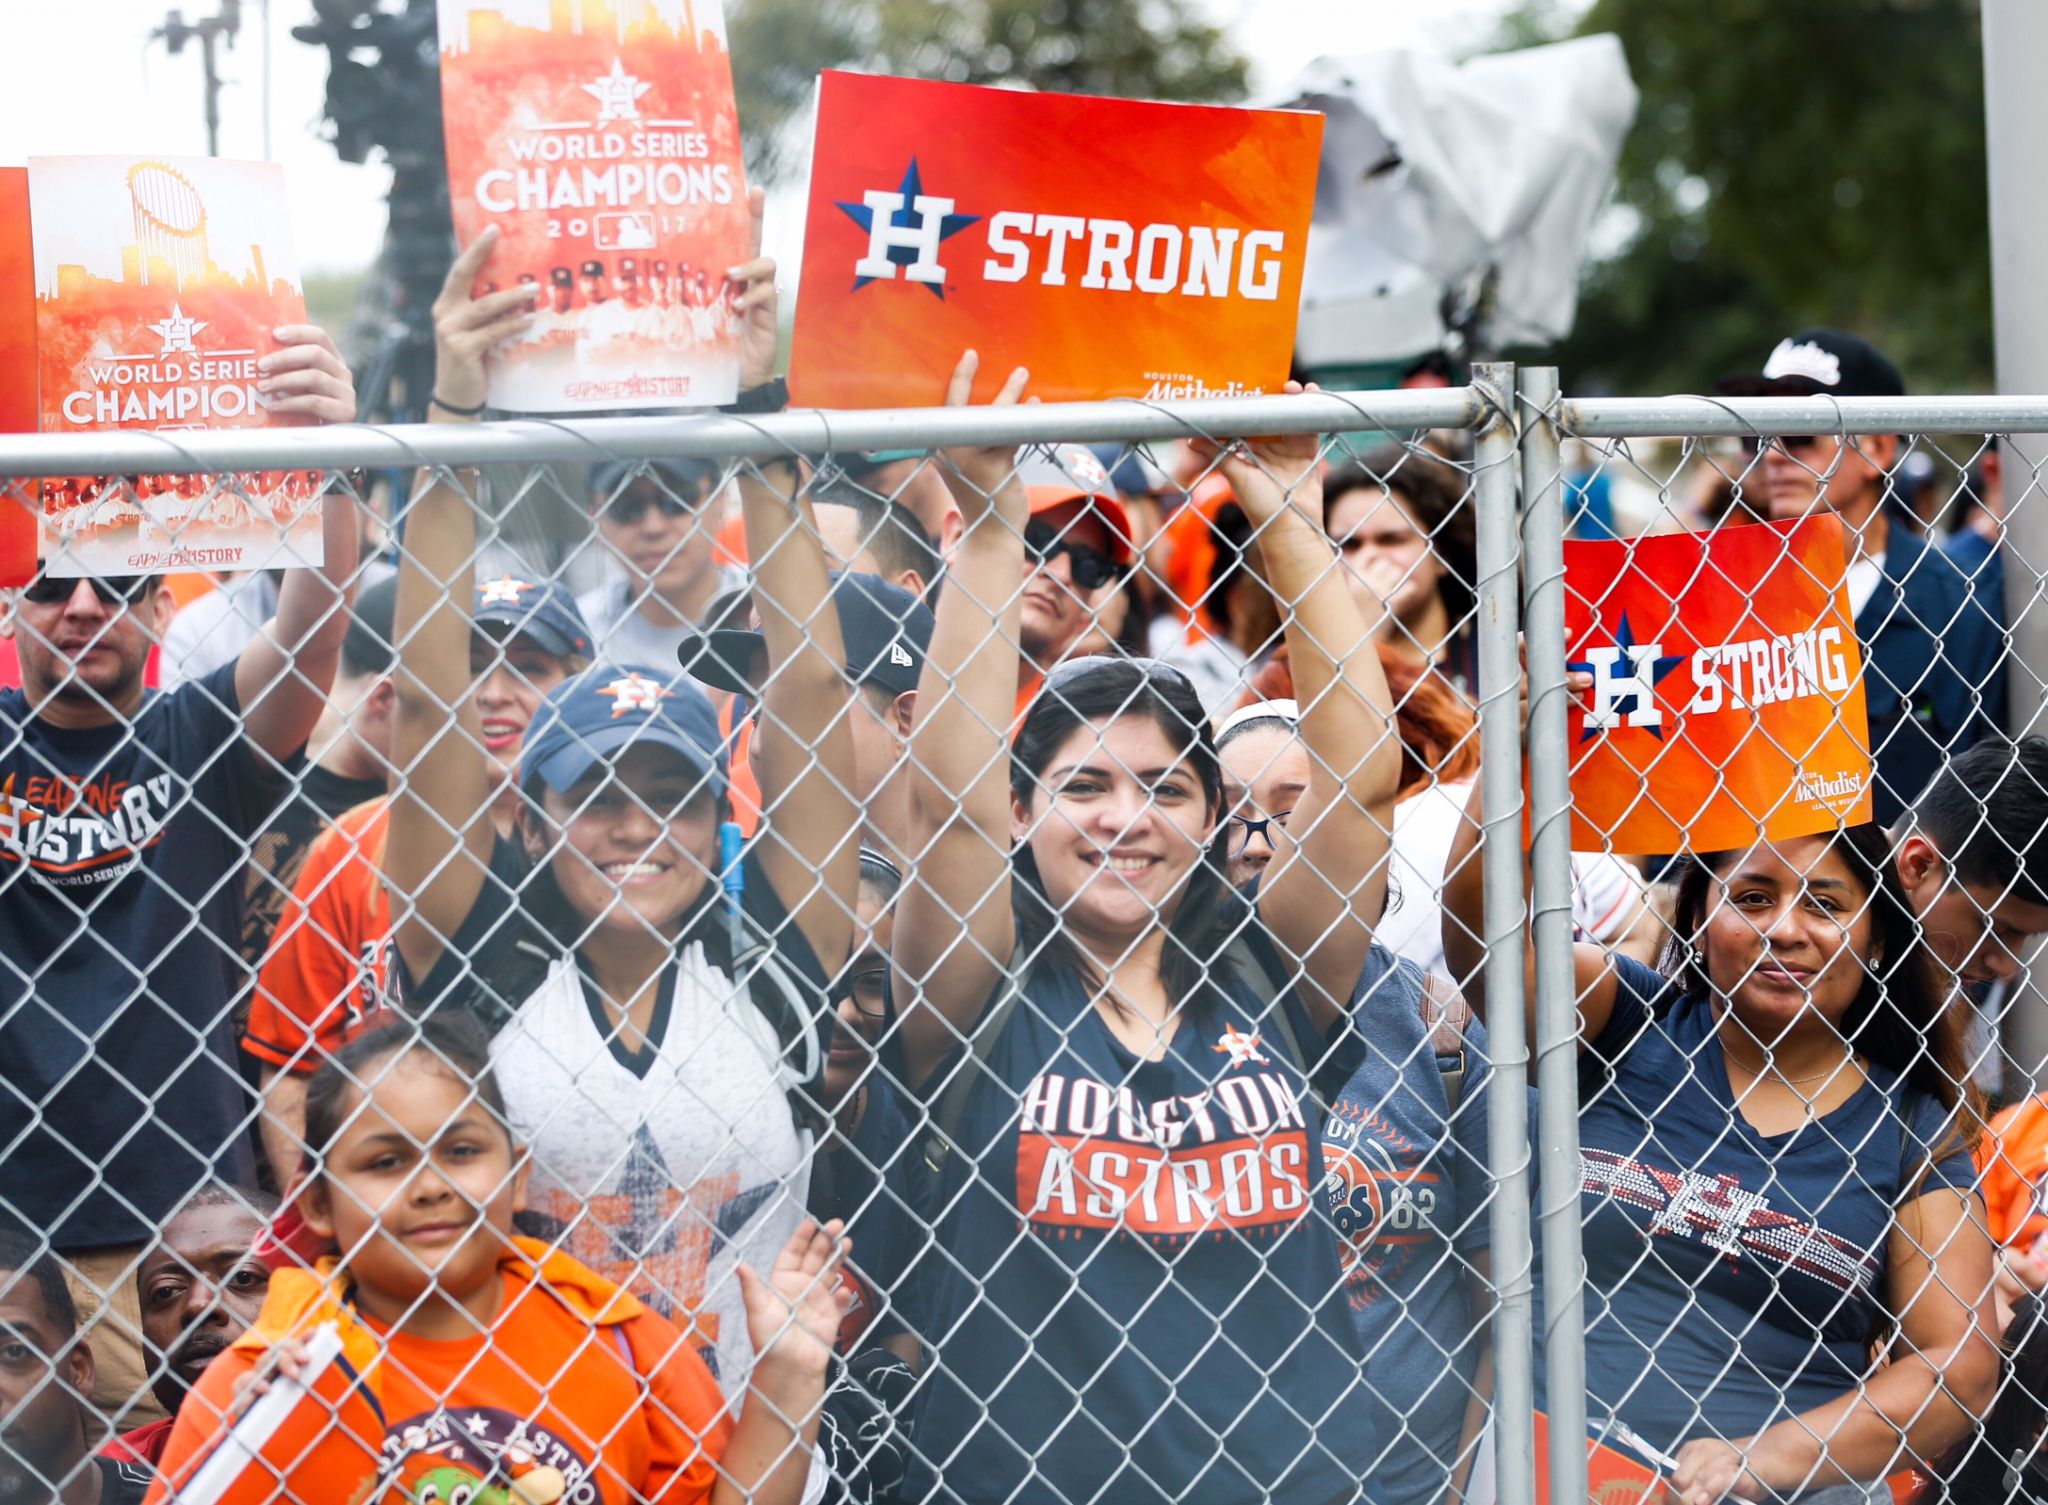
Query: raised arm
{"x":805,"y":760}
{"x":1940,"y":1379}
{"x":283,"y":676}
{"x":439,"y":847}
{"x":954,"y":927}
{"x":1464,"y":936}
{"x":1323,"y":894}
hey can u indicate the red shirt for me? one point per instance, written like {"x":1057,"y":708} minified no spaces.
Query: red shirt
{"x":143,"y":1445}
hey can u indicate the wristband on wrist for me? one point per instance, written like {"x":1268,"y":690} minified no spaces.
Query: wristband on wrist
{"x":772,"y":396}
{"x":436,"y":401}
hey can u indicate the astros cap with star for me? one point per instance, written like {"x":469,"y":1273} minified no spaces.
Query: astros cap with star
{"x":1055,"y":475}
{"x":544,"y":611}
{"x":599,"y":714}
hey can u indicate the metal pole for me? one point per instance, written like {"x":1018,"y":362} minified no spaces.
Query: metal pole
{"x":211,"y":73}
{"x":1500,"y":772}
{"x":1557,"y":1023}
{"x":1735,"y":417}
{"x":2016,"y":122}
{"x":805,"y":431}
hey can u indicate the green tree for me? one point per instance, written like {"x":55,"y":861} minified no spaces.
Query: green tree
{"x":1155,"y":49}
{"x":1794,"y":162}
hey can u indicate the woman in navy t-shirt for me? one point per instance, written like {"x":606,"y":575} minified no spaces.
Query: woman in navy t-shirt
{"x":1134,"y":1296}
{"x":1774,"y":1169}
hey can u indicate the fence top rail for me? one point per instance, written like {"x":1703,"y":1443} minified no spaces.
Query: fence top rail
{"x":1713,"y":417}
{"x":713,"y":435}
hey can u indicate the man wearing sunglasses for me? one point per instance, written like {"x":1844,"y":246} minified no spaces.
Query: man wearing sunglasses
{"x":659,"y":522}
{"x":1078,"y":550}
{"x":1929,"y":650}
{"x":125,"y":822}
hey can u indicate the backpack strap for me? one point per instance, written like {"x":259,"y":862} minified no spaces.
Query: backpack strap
{"x":943,"y":1129}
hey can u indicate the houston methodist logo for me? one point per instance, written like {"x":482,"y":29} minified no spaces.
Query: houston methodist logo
{"x":1744,"y":675}
{"x":907,"y":229}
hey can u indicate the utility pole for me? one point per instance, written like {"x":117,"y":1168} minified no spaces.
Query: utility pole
{"x":2016,"y":122}
{"x":177,"y":31}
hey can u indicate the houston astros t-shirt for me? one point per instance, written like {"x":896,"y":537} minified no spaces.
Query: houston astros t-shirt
{"x":877,"y":1181}
{"x":1134,"y":1300}
{"x":121,"y":849}
{"x":1733,"y":1277}
{"x":1405,"y":1181}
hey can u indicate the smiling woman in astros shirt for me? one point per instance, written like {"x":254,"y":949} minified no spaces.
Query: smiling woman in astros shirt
{"x":1139,"y":1301}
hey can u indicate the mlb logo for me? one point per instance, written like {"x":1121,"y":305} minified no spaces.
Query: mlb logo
{"x":623,"y":232}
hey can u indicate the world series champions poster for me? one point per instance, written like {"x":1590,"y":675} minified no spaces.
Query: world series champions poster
{"x":159,"y":285}
{"x":1727,"y":698}
{"x":601,"y":138}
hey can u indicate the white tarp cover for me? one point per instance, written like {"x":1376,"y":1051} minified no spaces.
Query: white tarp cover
{"x":1438,"y":175}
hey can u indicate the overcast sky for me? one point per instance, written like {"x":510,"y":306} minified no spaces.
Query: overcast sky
{"x":88,"y":80}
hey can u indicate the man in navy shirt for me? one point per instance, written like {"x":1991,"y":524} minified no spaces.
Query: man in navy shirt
{"x":125,"y":818}
{"x":1932,"y":671}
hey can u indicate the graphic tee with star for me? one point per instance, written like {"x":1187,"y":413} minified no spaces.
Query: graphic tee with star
{"x":1124,"y":1243}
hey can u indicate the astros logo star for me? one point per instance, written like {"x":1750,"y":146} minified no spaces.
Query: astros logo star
{"x":618,"y":92}
{"x":504,"y":591}
{"x":909,"y":217}
{"x":635,"y":692}
{"x":1239,"y":1046}
{"x":176,"y":332}
{"x":1082,"y":467}
{"x":1625,"y":675}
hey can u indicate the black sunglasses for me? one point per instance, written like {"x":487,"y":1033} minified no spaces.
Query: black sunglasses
{"x":113,"y":590}
{"x":1753,"y":444}
{"x":627,"y":507}
{"x":1092,"y":568}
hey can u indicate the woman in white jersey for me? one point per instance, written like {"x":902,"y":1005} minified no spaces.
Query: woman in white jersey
{"x":655,"y":1001}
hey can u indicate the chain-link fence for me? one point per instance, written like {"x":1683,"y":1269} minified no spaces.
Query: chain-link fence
{"x":1094,"y":876}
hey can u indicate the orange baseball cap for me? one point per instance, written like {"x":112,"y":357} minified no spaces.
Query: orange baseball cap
{"x":1058,"y":475}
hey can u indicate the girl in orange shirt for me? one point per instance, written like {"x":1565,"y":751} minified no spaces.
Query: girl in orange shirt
{"x":483,"y":1359}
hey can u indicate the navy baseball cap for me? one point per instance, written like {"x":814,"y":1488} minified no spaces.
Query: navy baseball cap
{"x":608,"y":708}
{"x":683,"y":479}
{"x":886,"y":629}
{"x":542,"y":610}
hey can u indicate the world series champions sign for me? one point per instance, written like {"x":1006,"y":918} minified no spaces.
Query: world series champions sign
{"x":1115,"y":247}
{"x":159,"y":287}
{"x":601,"y":139}
{"x":1727,"y":689}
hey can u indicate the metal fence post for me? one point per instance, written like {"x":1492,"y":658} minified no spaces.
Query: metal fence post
{"x":2015,"y":113}
{"x":1495,"y":486}
{"x":1557,"y":1019}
